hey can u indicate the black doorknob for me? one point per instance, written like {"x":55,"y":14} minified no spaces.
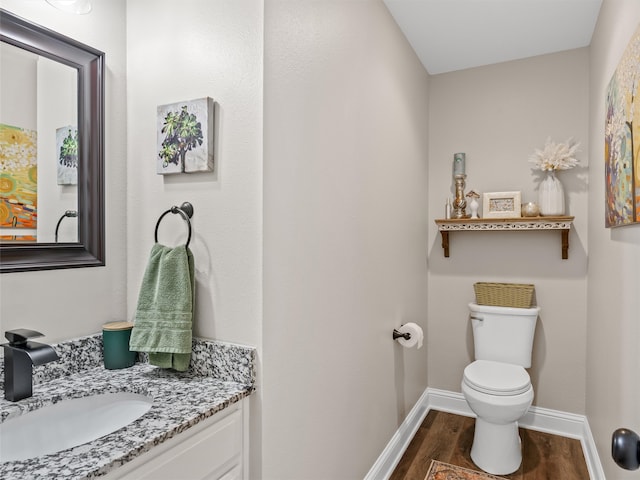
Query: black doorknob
{"x":625,"y":448}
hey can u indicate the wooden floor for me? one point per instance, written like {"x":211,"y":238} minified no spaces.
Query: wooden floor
{"x":448,"y":438}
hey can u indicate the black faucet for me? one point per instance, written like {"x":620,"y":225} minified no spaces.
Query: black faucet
{"x":20,"y":354}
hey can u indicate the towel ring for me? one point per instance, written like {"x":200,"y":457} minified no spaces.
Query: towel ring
{"x":186,"y":211}
{"x":68,"y":213}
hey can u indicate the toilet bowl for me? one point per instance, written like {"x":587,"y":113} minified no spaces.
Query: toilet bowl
{"x":496,"y":385}
{"x":499,"y":394}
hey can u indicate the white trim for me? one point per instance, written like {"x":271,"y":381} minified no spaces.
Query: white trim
{"x":391,"y":455}
{"x":446,"y":401}
{"x":590,"y":451}
{"x":537,"y":418}
{"x":246,"y":428}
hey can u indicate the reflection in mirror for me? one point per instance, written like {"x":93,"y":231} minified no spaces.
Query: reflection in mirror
{"x":39,"y":145}
{"x":53,"y":112}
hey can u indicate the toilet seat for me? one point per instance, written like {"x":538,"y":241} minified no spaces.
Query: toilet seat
{"x":496,"y":378}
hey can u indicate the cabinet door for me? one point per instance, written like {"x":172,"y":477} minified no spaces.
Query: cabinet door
{"x":212,"y":452}
{"x":234,"y":474}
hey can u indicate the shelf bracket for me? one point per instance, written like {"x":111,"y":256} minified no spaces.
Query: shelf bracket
{"x":565,"y":243}
{"x":445,"y":242}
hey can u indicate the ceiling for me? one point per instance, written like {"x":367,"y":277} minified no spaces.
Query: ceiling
{"x":449,"y":35}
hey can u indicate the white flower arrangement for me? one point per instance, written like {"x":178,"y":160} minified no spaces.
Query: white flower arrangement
{"x":555,"y":156}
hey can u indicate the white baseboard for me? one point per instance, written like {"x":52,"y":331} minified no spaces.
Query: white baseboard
{"x":591,"y":453}
{"x":537,"y":418}
{"x":387,"y":461}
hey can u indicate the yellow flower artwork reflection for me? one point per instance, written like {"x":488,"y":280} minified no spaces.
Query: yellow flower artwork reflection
{"x":18,"y":181}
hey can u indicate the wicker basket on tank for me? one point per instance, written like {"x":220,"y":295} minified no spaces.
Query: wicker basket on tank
{"x":517,"y":295}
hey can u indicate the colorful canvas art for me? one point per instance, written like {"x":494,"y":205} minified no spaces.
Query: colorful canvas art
{"x":622,"y":140}
{"x":18,"y":178}
{"x":67,"y":148}
{"x":185,"y":137}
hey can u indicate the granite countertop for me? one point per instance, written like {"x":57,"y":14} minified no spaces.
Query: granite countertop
{"x":220,"y":375}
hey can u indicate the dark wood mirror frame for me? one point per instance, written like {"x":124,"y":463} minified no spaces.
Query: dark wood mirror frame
{"x":89,"y":251}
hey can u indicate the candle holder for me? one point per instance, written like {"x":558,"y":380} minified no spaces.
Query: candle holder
{"x":460,"y":204}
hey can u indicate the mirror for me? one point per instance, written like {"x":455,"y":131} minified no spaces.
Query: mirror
{"x":87,"y":65}
{"x":38,"y":147}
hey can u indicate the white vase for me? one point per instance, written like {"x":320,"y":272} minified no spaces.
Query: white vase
{"x":473,"y":204}
{"x":551,"y":195}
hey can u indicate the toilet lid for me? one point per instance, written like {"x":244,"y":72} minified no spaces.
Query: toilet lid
{"x":496,"y":378}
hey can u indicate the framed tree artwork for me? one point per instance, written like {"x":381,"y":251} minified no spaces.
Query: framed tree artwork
{"x":185,"y":137}
{"x":67,"y":153}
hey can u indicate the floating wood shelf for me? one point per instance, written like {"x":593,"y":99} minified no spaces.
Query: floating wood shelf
{"x":561,"y":223}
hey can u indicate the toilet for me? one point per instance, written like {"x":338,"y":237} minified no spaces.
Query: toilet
{"x":496,"y":385}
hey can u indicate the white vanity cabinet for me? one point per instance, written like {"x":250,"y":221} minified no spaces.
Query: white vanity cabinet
{"x":215,"y":449}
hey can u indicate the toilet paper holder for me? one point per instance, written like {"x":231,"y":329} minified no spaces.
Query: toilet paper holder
{"x":397,"y":334}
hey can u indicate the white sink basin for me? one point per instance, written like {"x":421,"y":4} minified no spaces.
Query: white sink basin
{"x":69,"y":423}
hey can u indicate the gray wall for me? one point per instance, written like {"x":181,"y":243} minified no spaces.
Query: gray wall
{"x":613,"y":300}
{"x":498,"y":115}
{"x":179,"y":51}
{"x":345,"y":235}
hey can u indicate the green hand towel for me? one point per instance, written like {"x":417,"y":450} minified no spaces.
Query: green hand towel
{"x":163,"y":319}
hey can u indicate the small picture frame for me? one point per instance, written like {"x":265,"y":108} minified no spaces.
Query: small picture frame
{"x":67,"y":153}
{"x":501,"y":205}
{"x":185,"y":137}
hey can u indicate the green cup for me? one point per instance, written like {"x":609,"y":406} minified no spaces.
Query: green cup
{"x":115,"y":342}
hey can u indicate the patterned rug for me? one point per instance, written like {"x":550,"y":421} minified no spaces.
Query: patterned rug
{"x":444,"y":471}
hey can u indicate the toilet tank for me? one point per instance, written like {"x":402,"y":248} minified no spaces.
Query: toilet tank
{"x":503,"y":334}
